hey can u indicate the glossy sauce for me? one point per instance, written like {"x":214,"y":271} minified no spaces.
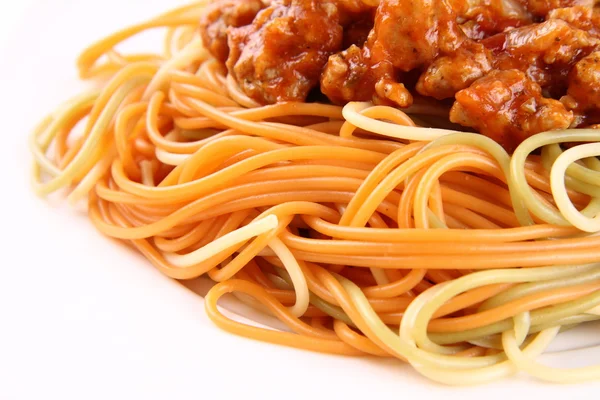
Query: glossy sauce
{"x":539,"y":55}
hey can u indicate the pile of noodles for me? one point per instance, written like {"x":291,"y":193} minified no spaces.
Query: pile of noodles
{"x":361,"y":231}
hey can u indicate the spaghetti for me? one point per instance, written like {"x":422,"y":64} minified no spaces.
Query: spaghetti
{"x":363,"y":232}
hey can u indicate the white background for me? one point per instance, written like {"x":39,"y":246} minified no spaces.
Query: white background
{"x":84,"y":318}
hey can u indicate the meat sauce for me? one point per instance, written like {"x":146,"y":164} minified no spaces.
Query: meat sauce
{"x":513,"y":68}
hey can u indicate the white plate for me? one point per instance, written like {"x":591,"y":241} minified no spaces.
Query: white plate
{"x":84,"y":317}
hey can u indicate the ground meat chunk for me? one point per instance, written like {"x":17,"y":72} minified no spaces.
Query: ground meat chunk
{"x":545,"y":52}
{"x":388,"y":90}
{"x":553,"y":41}
{"x":541,"y":8}
{"x":508,"y":107}
{"x":280,"y":56}
{"x":484,"y":18}
{"x":584,"y":85}
{"x":581,"y":17}
{"x":219,"y":16}
{"x":408,"y":34}
{"x":412,"y":33}
{"x":449,"y":74}
{"x":349,"y":76}
{"x":355,"y":6}
{"x":352,"y":76}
